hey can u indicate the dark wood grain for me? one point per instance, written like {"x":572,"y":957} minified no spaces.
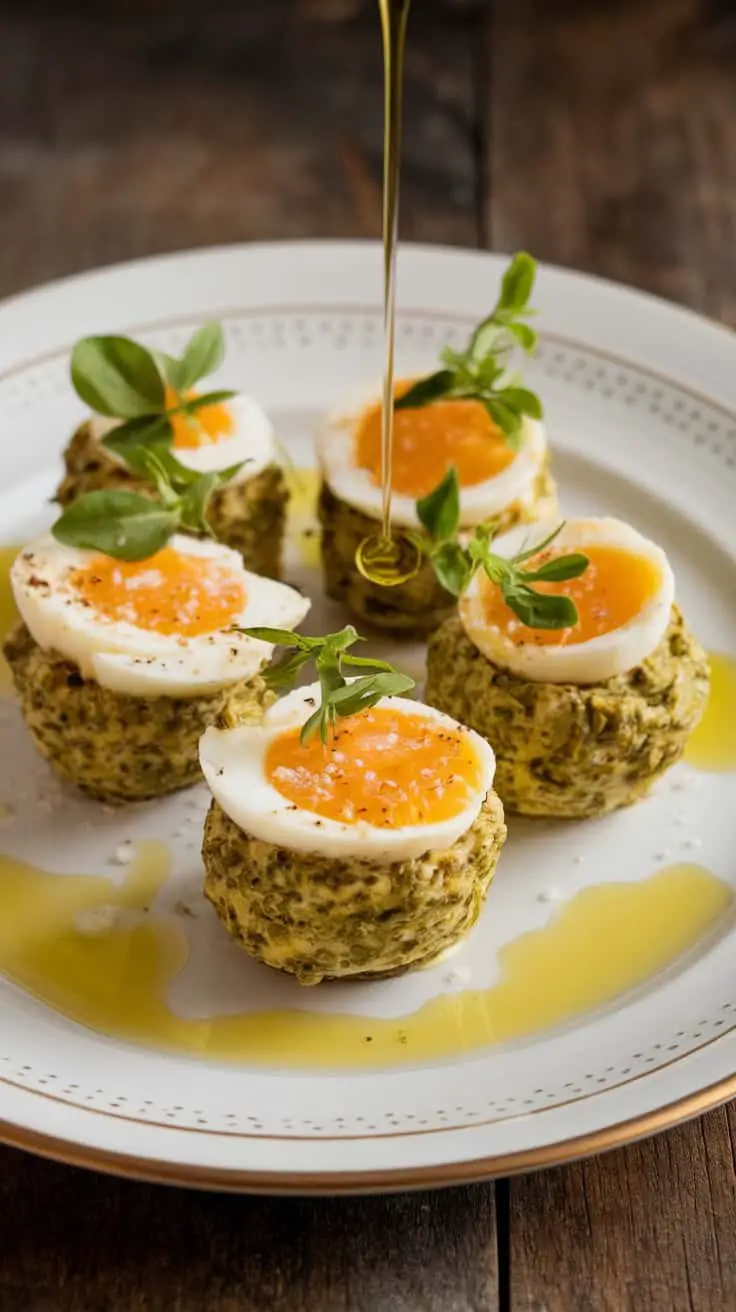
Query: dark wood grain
{"x":73,"y":1241}
{"x":613,"y":144}
{"x":652,"y":1227}
{"x":134,"y":128}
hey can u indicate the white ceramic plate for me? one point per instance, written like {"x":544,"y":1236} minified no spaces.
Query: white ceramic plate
{"x":639,"y":398}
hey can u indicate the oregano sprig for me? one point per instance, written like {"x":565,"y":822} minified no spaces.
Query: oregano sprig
{"x":456,"y":562}
{"x":339,"y":696}
{"x":480,"y":372}
{"x":121,"y":379}
{"x":129,"y":526}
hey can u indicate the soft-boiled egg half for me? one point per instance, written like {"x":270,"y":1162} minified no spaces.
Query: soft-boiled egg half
{"x":624,"y":601}
{"x":215,"y":437}
{"x":427,"y":443}
{"x":165,"y":626}
{"x":392,"y":782}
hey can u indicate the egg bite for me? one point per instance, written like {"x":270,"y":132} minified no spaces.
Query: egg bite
{"x":496,"y":482}
{"x":121,"y":666}
{"x":248,"y":513}
{"x":363,"y":857}
{"x":584,"y":719}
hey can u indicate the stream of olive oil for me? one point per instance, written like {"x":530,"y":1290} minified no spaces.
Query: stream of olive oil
{"x":96,"y":953}
{"x":384,"y":558}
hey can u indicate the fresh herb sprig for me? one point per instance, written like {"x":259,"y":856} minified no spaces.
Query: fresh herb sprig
{"x":129,"y":526}
{"x":456,"y":562}
{"x":480,"y":372}
{"x":122,"y":379}
{"x":338,"y":696}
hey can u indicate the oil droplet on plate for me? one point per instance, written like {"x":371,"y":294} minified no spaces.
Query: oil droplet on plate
{"x":95,"y":953}
{"x":388,"y":561}
{"x":712,"y":746}
{"x":304,"y":532}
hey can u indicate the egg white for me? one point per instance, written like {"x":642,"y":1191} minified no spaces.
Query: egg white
{"x":335,"y":453}
{"x":252,"y":441}
{"x":598,"y":658}
{"x":127,"y":659}
{"x":233,"y":765}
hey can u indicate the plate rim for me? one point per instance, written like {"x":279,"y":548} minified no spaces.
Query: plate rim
{"x":312,"y":1183}
{"x":391,"y":1180}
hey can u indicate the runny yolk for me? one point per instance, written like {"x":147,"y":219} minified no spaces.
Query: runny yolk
{"x":170,"y":593}
{"x":614,"y":588}
{"x":208,"y":425}
{"x":382,"y":766}
{"x":428,"y":441}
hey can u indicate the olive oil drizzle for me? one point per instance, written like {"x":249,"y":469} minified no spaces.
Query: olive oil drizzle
{"x":382,"y":558}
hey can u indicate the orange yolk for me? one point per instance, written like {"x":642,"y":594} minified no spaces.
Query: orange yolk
{"x":210,"y":424}
{"x":382,"y":766}
{"x":169,"y":593}
{"x":429,"y":441}
{"x":613,"y":590}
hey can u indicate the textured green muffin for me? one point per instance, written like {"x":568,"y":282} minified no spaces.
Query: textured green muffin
{"x":250,"y":516}
{"x":321,"y":918}
{"x":114,"y":747}
{"x":416,"y":607}
{"x":571,"y":750}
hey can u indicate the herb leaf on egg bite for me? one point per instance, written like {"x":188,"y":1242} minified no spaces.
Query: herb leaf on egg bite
{"x":145,"y":388}
{"x":480,"y":372}
{"x":128,"y":526}
{"x":456,"y":558}
{"x":340,"y":696}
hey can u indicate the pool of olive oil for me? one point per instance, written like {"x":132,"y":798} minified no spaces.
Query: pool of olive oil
{"x":385,"y":558}
{"x":96,"y":953}
{"x":712,"y":747}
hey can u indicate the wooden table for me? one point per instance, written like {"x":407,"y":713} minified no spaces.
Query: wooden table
{"x":599,"y":135}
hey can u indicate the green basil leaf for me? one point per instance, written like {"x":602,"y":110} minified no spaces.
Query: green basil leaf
{"x":506,"y":418}
{"x":426,"y":390}
{"x":361,"y":694}
{"x":539,"y":610}
{"x":203,"y":354}
{"x":120,"y":524}
{"x":439,"y":511}
{"x":194,"y":403}
{"x":522,"y":401}
{"x":517,"y":282}
{"x":285,"y":672}
{"x":319,"y":721}
{"x":131,"y":440}
{"x":344,"y":638}
{"x":168,"y":367}
{"x":162,"y":465}
{"x":558,"y":569}
{"x":451,"y":567}
{"x":525,"y":336}
{"x":538,"y":547}
{"x":194,"y":502}
{"x":488,"y":338}
{"x":368,"y":663}
{"x":117,"y":377}
{"x":280,"y":637}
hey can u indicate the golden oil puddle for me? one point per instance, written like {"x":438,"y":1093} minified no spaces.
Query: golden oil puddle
{"x":8,"y":613}
{"x":94,"y":952}
{"x":303,"y":485}
{"x":713,"y":745}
